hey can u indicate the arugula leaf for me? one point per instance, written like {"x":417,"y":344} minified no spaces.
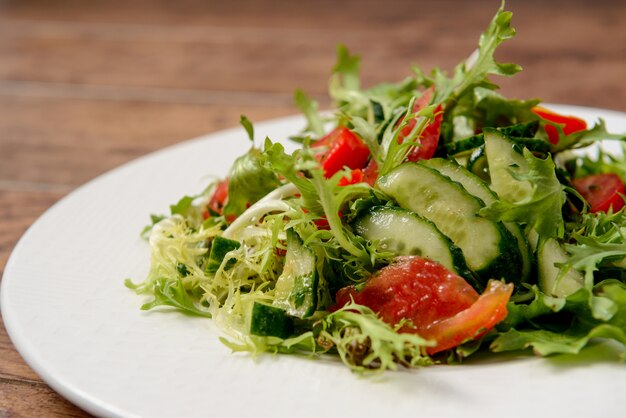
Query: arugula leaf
{"x":599,"y":239}
{"x":182,"y":206}
{"x":309,"y":108}
{"x":154,"y":219}
{"x":456,"y":92}
{"x":474,"y":71}
{"x":346,"y":71}
{"x":542,"y":209}
{"x":332,"y":198}
{"x":248,"y":181}
{"x":585,"y":138}
{"x":171,"y":292}
{"x":604,"y":162}
{"x":497,"y":111}
{"x":395,"y":150}
{"x":247,"y":125}
{"x":367,"y":132}
{"x":546,"y":342}
{"x":291,"y":167}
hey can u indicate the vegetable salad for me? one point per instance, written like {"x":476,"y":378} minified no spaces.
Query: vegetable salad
{"x":418,"y":223}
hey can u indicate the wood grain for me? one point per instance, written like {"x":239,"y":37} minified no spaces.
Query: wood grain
{"x":68,"y":141}
{"x":87,"y":86}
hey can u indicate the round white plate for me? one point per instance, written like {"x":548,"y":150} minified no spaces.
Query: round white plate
{"x":69,"y":315}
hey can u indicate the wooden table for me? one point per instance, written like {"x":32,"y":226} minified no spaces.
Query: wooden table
{"x":87,"y":86}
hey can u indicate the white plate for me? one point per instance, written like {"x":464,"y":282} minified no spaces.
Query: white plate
{"x":69,"y":315}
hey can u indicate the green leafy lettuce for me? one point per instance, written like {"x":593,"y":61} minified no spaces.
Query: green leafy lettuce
{"x":542,"y":210}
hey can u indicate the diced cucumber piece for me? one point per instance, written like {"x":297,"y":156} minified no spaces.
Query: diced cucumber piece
{"x":403,"y":232}
{"x":504,"y":158}
{"x":551,"y":282}
{"x":219,"y":248}
{"x":487,"y":246}
{"x":296,"y":288}
{"x":270,"y":321}
{"x":478,"y":188}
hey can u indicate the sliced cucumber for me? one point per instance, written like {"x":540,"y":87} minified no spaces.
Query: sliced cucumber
{"x":551,"y":281}
{"x":219,"y":248}
{"x":470,"y":182}
{"x":296,"y":288}
{"x":488,"y":247}
{"x":522,"y":132}
{"x":402,"y":232}
{"x":477,"y":163}
{"x":478,"y":188}
{"x":270,"y":321}
{"x":504,"y":159}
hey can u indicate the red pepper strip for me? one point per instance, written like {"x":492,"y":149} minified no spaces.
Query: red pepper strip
{"x":430,"y":135}
{"x":570,"y":124}
{"x":217,"y":200}
{"x":345,"y":149}
{"x":356,"y":176}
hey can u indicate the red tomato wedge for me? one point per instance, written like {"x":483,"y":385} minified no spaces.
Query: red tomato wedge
{"x":601,"y":191}
{"x":440,"y":305}
{"x":570,"y":124}
{"x":430,"y":136}
{"x":345,"y":149}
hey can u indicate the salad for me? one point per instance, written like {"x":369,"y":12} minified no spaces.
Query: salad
{"x":420,"y":222}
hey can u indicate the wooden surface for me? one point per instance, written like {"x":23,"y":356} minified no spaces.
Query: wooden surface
{"x":87,"y":86}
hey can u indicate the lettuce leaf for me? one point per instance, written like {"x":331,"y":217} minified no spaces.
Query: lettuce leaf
{"x":542,"y":209}
{"x":248,"y":181}
{"x":309,"y":108}
{"x":556,"y":325}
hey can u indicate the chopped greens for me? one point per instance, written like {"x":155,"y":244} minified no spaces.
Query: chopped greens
{"x":276,"y":254}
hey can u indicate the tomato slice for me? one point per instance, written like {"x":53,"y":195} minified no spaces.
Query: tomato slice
{"x":473,"y":322}
{"x":439,"y":304}
{"x":601,"y":191}
{"x":569,"y":124}
{"x":430,"y":136}
{"x":345,"y":149}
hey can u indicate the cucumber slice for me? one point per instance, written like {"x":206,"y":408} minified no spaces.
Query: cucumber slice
{"x":504,"y":158}
{"x":270,"y":321}
{"x":477,"y":163}
{"x":551,"y":282}
{"x":522,"y":132}
{"x":296,"y":288}
{"x":488,"y":247}
{"x":478,"y":188}
{"x":402,"y":232}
